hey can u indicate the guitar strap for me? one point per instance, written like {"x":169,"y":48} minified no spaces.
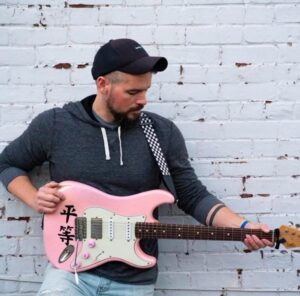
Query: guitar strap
{"x":152,"y":139}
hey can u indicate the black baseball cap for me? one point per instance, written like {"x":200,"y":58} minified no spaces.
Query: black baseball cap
{"x":125,"y":55}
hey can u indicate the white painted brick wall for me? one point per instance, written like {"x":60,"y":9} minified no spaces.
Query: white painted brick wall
{"x":233,"y":88}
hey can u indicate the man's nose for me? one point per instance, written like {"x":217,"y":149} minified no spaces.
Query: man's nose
{"x":141,"y":99}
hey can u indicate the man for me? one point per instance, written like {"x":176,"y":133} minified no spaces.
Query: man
{"x":99,"y":141}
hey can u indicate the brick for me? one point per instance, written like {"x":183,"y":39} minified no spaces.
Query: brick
{"x":14,"y":114}
{"x":12,"y":228}
{"x":169,"y":35}
{"x":249,"y":54}
{"x":19,"y":15}
{"x":22,"y":94}
{"x":34,"y":226}
{"x":9,"y":286}
{"x":271,"y":280}
{"x":279,"y":185}
{"x":244,"y":167}
{"x":142,"y":33}
{"x":3,"y":36}
{"x":85,"y":35}
{"x":8,"y":246}
{"x":38,"y":36}
{"x":137,"y":2}
{"x":188,"y":92}
{"x":271,"y":34}
{"x":192,"y":54}
{"x":289,"y":54}
{"x":54,"y":16}
{"x":249,"y":92}
{"x":207,"y":111}
{"x":91,"y":16}
{"x":214,"y":35}
{"x":259,"y":14}
{"x":52,"y":55}
{"x":251,"y":205}
{"x":126,"y":16}
{"x":287,"y":13}
{"x":31,"y":246}
{"x":166,"y":110}
{"x":40,"y":76}
{"x":96,"y":2}
{"x":4,"y":75}
{"x":186,"y":15}
{"x":115,"y":32}
{"x":247,"y":111}
{"x":231,"y":14}
{"x":20,"y":266}
{"x":59,"y":94}
{"x":29,"y":287}
{"x":13,"y":56}
{"x":286,"y":205}
{"x":219,"y":148}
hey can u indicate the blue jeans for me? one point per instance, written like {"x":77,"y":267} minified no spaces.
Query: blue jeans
{"x":61,"y":283}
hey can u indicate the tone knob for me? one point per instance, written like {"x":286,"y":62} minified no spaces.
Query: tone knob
{"x":85,"y":255}
{"x":92,"y":243}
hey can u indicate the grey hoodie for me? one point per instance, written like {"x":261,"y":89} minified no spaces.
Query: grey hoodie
{"x":113,"y":158}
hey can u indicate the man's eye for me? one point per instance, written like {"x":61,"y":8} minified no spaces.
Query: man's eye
{"x":132,"y":92}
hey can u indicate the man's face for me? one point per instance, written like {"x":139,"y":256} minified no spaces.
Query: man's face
{"x":128,"y":96}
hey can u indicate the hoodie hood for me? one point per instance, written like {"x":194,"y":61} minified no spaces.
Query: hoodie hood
{"x":80,"y":110}
{"x":83,"y":111}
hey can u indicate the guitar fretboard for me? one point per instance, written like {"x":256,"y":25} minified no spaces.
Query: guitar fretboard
{"x":196,"y":232}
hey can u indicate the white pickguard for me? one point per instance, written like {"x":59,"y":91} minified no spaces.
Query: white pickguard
{"x":118,"y":239}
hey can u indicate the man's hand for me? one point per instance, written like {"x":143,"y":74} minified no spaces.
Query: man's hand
{"x":252,"y":241}
{"x":48,"y":197}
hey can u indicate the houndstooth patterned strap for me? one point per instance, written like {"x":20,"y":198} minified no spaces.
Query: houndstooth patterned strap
{"x":146,"y":124}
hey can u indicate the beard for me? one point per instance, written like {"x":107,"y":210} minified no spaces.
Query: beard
{"x":130,"y":116}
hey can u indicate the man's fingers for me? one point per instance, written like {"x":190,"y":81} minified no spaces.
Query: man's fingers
{"x":48,"y":197}
{"x":47,"y":192}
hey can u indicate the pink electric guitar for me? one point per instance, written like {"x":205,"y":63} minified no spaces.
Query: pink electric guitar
{"x":90,"y":228}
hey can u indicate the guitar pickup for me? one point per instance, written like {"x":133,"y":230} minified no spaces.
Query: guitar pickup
{"x":80,"y":228}
{"x":96,"y":228}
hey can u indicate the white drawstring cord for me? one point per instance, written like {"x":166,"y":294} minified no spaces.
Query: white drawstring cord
{"x":120,"y":143}
{"x":106,"y":147}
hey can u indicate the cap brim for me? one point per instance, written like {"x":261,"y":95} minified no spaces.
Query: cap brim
{"x":146,"y":64}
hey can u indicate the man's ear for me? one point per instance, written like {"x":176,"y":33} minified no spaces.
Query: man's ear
{"x":103,"y":85}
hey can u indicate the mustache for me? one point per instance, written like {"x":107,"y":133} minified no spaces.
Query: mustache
{"x":138,"y":108}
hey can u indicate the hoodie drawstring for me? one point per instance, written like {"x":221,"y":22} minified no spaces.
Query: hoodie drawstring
{"x":106,"y":147}
{"x":120,"y":143}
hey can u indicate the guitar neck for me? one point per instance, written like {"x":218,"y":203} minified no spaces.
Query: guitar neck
{"x":196,"y":232}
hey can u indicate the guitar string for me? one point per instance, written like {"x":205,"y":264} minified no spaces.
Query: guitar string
{"x":151,"y":230}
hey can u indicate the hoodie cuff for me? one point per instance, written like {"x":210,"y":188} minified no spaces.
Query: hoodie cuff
{"x":11,"y":173}
{"x":203,"y":208}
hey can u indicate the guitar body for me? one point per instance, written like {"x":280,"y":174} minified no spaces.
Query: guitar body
{"x":107,"y":227}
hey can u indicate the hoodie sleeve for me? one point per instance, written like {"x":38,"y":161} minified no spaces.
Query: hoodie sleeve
{"x":193,"y":197}
{"x":30,"y":149}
